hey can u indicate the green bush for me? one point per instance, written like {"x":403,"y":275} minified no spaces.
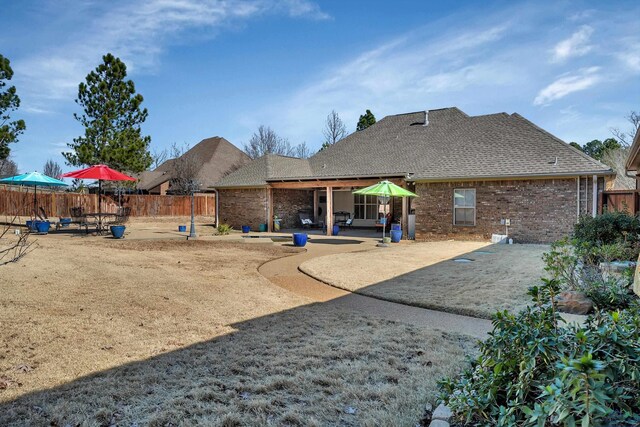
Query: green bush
{"x":534,"y":370}
{"x":617,"y":228}
{"x":608,"y":292}
{"x":224,"y":229}
{"x":578,"y":269}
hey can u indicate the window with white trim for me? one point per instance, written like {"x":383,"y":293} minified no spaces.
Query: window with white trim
{"x":365,"y":207}
{"x":464,"y":206}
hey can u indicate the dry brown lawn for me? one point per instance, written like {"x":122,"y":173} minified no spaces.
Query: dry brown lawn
{"x":140,"y":332}
{"x":426,"y":275}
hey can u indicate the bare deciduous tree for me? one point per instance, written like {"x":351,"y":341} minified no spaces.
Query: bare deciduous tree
{"x":52,"y":169}
{"x":266,"y":141}
{"x":334,"y":129}
{"x":616,"y":159}
{"x":14,"y":247}
{"x":184,"y":178}
{"x":8,"y":168}
{"x":626,"y":138}
{"x":158,"y":157}
{"x":302,"y":151}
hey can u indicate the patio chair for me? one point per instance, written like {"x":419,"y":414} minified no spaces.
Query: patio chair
{"x":78,"y":217}
{"x":386,"y":224}
{"x":305,"y":219}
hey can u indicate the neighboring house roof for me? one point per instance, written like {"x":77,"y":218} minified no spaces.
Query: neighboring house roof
{"x":444,"y":144}
{"x":215,"y":158}
{"x":633,"y":161}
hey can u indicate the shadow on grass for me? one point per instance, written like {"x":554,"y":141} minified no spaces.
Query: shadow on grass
{"x":311,"y":365}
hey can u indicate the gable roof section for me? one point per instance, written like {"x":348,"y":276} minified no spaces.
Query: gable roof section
{"x":444,"y":144}
{"x":215,"y":157}
{"x":263,"y":169}
{"x":453,"y":145}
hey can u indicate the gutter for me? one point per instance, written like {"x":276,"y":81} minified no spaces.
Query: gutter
{"x":337,"y":177}
{"x":508,"y":177}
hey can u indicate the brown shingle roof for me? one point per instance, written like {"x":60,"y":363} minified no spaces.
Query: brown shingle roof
{"x":267,"y":167}
{"x":444,"y":144}
{"x":215,"y":157}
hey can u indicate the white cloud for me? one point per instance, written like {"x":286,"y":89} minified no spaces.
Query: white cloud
{"x":304,"y":8}
{"x":136,"y":31}
{"x":630,"y":56}
{"x":574,"y":46}
{"x":417,"y":70}
{"x":567,"y":84}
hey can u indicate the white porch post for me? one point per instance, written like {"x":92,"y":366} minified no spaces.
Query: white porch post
{"x":315,"y":205}
{"x":594,"y":202}
{"x":329,"y":219}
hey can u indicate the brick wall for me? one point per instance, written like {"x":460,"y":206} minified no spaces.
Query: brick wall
{"x":539,"y":210}
{"x":243,"y":207}
{"x":287,"y":203}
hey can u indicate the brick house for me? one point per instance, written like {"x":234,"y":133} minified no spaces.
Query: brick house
{"x":471,"y":173}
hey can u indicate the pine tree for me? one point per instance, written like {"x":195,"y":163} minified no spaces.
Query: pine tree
{"x":366,"y":120}
{"x":9,"y":101}
{"x":112,"y":118}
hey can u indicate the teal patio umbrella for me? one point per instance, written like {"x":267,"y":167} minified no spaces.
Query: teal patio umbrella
{"x":385,"y":190}
{"x":34,"y":179}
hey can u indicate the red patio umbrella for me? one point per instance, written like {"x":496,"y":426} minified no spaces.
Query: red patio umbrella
{"x":101,"y":173}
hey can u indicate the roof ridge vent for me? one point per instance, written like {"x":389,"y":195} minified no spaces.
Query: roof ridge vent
{"x":426,"y":118}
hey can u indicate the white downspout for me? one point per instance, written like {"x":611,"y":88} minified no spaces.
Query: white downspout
{"x":578,"y":197}
{"x":594,"y":202}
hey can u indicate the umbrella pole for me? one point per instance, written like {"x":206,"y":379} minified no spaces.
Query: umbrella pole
{"x":99,"y":206}
{"x":35,"y":202}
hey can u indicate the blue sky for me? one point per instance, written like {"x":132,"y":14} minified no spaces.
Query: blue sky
{"x":209,"y":67}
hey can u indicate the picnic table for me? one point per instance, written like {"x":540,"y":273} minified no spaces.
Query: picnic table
{"x":98,"y":220}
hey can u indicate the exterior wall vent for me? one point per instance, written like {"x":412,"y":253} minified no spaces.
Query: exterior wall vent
{"x":426,"y":118}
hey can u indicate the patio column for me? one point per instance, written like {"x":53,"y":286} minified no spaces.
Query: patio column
{"x":270,"y":210}
{"x":315,"y":205}
{"x":405,"y":217}
{"x":329,"y":219}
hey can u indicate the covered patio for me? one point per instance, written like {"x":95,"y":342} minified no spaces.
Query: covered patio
{"x":332,"y":202}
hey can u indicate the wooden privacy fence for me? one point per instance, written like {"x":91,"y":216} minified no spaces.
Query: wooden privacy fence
{"x":622,"y":200}
{"x":19,"y":201}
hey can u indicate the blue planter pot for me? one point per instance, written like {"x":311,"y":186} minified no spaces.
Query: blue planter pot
{"x":299,"y":239}
{"x":396,"y":235}
{"x":31,"y":225}
{"x":43,"y":226}
{"x":182,"y":228}
{"x":263,"y":228}
{"x":64,"y":222}
{"x":117,"y":231}
{"x":336,"y":230}
{"x":395,"y":227}
{"x":246,"y":228}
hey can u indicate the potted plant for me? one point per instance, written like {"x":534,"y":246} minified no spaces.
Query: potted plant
{"x":117,"y":231}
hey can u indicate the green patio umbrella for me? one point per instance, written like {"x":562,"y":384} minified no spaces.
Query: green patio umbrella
{"x":384,"y":190}
{"x":34,"y":179}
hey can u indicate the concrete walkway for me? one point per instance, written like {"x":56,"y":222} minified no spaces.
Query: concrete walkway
{"x":284,"y":273}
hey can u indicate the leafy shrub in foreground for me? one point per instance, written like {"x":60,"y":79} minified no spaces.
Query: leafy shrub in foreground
{"x":579,"y":270}
{"x":534,"y":370}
